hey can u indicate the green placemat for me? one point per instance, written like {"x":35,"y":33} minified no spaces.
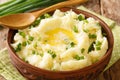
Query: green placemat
{"x":9,"y":72}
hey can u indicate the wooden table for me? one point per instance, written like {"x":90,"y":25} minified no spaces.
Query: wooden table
{"x":108,"y":8}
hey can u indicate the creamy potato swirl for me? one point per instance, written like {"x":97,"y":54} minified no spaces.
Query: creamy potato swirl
{"x":63,"y":41}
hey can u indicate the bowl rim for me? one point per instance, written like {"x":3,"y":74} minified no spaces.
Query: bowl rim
{"x":103,"y":25}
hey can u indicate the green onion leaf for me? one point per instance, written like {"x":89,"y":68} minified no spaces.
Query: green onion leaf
{"x":98,"y":24}
{"x":85,"y":21}
{"x":98,"y":48}
{"x":85,"y":30}
{"x":75,"y":29}
{"x":22,"y":34}
{"x":18,"y":48}
{"x":49,"y":51}
{"x":81,"y":17}
{"x":45,"y":41}
{"x":72,"y":44}
{"x":92,"y":36}
{"x":98,"y":45}
{"x":104,"y":34}
{"x":41,"y":54}
{"x":47,"y":15}
{"x":33,"y":52}
{"x":24,"y":43}
{"x":36,"y":22}
{"x":52,"y":53}
{"x":82,"y":50}
{"x":77,"y":57}
{"x":35,"y":44}
{"x":31,"y":38}
{"x":27,"y":42}
{"x":39,"y":38}
{"x":91,"y":47}
{"x":24,"y":59}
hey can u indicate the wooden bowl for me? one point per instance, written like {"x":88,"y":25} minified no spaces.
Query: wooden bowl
{"x":86,"y":73}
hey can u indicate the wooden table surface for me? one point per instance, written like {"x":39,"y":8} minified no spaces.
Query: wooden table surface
{"x":108,"y":8}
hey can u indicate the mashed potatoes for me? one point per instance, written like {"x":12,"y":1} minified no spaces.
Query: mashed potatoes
{"x":61,"y":42}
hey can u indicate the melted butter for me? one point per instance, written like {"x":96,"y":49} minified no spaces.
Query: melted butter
{"x":54,"y":40}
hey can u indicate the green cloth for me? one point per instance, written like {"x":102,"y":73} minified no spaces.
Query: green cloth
{"x":8,"y":71}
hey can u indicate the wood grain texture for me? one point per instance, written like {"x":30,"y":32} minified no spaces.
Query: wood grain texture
{"x":3,"y":34}
{"x":108,"y":8}
{"x":113,"y":73}
{"x":111,"y":9}
{"x":93,"y":5}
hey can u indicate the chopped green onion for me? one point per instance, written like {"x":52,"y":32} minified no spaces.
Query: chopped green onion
{"x":77,"y":57}
{"x":85,"y":30}
{"x":98,"y":48}
{"x":31,"y":38}
{"x":104,"y":34}
{"x":92,"y":36}
{"x":22,"y":34}
{"x":36,"y":23}
{"x":66,"y":48}
{"x":39,"y":38}
{"x":52,"y":53}
{"x":75,"y":29}
{"x":45,"y":41}
{"x":42,"y":17}
{"x":81,"y":17}
{"x":72,"y":44}
{"x":82,"y":50}
{"x":35,"y":45}
{"x":85,"y":21}
{"x":24,"y":59}
{"x":91,"y":47}
{"x":47,"y":15}
{"x":24,"y":43}
{"x":31,"y":26}
{"x":98,"y":24}
{"x":18,"y":48}
{"x":27,"y":42}
{"x":98,"y":45}
{"x":41,"y":54}
{"x":33,"y":52}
